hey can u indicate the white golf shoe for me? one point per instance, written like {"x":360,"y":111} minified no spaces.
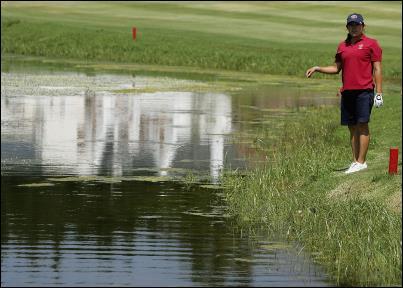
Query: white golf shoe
{"x":356,"y":166}
{"x":351,"y":165}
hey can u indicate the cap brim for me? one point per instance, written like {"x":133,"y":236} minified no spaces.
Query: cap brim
{"x":354,"y":21}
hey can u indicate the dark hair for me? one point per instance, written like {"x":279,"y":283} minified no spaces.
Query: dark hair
{"x":348,"y":39}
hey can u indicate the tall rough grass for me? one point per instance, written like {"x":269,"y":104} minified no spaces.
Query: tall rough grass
{"x":167,"y":47}
{"x":358,"y":240}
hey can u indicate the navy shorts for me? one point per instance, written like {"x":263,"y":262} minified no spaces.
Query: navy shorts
{"x":356,"y":106}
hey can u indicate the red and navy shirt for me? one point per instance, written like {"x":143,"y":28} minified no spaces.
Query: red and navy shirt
{"x":357,"y":63}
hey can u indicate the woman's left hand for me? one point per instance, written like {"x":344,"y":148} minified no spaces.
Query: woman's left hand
{"x":378,"y":100}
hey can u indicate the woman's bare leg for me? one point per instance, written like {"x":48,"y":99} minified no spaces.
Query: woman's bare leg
{"x":355,"y":141}
{"x":363,"y":141}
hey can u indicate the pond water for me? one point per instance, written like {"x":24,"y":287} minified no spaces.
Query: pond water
{"x":92,"y":189}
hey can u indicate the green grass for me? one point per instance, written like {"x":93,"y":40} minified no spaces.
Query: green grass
{"x":273,"y":38}
{"x":350,"y":223}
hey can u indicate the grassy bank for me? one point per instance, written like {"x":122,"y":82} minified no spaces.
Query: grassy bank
{"x":274,"y":38}
{"x":349,"y":223}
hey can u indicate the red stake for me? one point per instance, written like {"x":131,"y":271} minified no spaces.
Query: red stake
{"x":134,"y":31}
{"x":393,"y":156}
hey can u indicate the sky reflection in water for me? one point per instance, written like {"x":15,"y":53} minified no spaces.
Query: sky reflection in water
{"x":129,"y":232}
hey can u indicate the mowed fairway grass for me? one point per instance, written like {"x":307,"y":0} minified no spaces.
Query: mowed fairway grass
{"x":349,"y":224}
{"x":282,"y":38}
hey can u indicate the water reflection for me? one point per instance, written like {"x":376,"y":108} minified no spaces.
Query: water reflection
{"x":106,"y":133}
{"x":134,"y":234}
{"x":130,"y":233}
{"x":147,"y":130}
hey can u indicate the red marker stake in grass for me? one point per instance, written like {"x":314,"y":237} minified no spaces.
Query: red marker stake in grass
{"x":393,"y":156}
{"x":134,"y":32}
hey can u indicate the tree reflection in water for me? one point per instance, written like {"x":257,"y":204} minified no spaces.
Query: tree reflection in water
{"x":128,"y":232}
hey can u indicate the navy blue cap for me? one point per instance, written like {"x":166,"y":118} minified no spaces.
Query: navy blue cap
{"x":357,"y":18}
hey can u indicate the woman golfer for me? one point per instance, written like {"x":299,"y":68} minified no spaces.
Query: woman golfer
{"x":359,"y":58}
